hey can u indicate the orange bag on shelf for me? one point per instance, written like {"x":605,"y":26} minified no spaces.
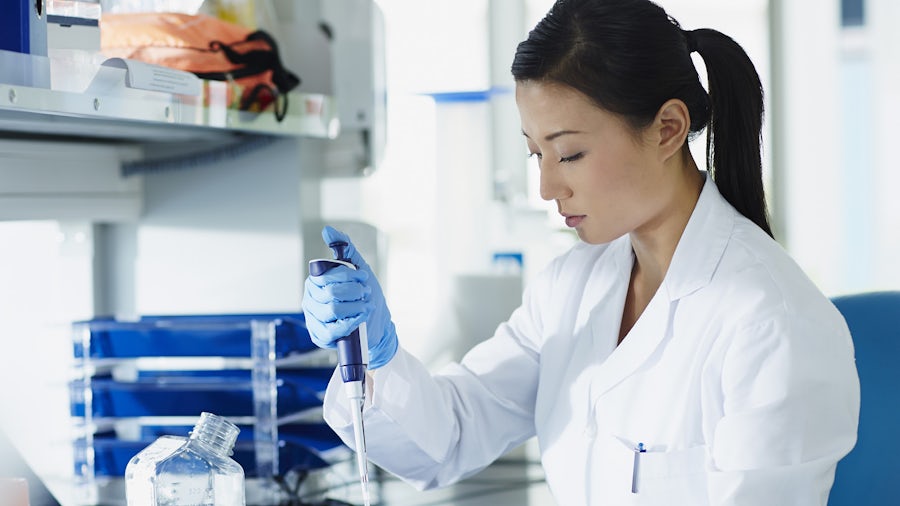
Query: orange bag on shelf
{"x":208,"y":47}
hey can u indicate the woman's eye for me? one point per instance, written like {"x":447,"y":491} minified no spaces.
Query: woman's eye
{"x":535,"y":155}
{"x":572,"y":158}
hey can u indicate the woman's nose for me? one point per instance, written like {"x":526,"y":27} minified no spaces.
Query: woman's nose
{"x":552,"y":186}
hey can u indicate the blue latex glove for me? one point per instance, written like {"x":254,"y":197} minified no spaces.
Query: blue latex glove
{"x":338,"y":301}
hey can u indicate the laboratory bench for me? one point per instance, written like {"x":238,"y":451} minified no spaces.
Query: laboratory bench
{"x":507,"y":482}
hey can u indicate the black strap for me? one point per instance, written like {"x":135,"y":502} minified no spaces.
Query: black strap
{"x":255,"y":62}
{"x":279,"y":100}
{"x":284,"y":79}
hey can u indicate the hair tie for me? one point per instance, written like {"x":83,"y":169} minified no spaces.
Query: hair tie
{"x":691,"y":41}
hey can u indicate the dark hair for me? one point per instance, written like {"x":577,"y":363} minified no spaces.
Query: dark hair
{"x":629,"y":57}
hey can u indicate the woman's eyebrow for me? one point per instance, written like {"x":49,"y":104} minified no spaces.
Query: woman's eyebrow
{"x":554,"y":135}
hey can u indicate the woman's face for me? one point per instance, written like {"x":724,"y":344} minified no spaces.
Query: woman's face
{"x":606,"y":180}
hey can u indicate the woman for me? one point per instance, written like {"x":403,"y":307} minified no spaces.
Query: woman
{"x":676,"y":355}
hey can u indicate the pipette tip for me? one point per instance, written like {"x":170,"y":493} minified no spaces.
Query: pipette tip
{"x":365,"y":493}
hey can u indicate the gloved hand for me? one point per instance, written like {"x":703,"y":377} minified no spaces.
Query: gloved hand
{"x":339,"y":300}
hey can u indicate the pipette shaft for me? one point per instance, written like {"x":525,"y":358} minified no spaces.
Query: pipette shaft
{"x":353,"y":359}
{"x":359,"y":433}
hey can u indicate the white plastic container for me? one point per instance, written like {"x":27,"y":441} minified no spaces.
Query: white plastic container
{"x":195,"y":471}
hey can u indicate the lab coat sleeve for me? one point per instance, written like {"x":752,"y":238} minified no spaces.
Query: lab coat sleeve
{"x":433,"y":430}
{"x":790,"y":412}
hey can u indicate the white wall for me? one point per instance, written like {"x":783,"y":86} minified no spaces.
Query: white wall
{"x":837,"y":163}
{"x":45,"y":284}
{"x":883,"y":208}
{"x":807,"y":144}
{"x":224,"y":237}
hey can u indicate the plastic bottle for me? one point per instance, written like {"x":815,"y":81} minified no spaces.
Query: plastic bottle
{"x":195,"y":471}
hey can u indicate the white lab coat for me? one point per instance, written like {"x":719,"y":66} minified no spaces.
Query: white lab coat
{"x":739,"y":379}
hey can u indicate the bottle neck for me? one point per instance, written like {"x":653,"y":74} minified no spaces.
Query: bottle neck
{"x":216,"y":433}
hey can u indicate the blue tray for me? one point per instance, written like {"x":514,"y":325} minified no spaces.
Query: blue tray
{"x":316,"y":436}
{"x":188,"y":393}
{"x":300,"y":448}
{"x":191,"y":336}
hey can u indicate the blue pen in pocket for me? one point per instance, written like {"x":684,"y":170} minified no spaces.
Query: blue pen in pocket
{"x":637,"y":465}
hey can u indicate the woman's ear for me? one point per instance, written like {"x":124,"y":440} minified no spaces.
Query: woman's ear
{"x":672,"y":125}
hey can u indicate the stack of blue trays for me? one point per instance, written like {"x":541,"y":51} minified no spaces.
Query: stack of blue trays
{"x":302,"y":446}
{"x":148,"y":399}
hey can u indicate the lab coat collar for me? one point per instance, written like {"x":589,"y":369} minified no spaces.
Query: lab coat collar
{"x":696,"y":257}
{"x":702,"y":243}
{"x":640,"y":343}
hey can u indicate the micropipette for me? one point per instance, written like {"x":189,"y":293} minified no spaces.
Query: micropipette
{"x":353,"y":359}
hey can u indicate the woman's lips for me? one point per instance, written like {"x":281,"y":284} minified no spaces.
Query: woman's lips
{"x":574,"y":221}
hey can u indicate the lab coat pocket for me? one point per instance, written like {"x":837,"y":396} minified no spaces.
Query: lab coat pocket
{"x":671,"y":477}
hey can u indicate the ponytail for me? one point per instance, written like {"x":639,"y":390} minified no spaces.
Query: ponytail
{"x":733,"y":137}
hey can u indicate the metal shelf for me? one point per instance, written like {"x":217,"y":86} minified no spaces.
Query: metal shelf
{"x":44,"y":98}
